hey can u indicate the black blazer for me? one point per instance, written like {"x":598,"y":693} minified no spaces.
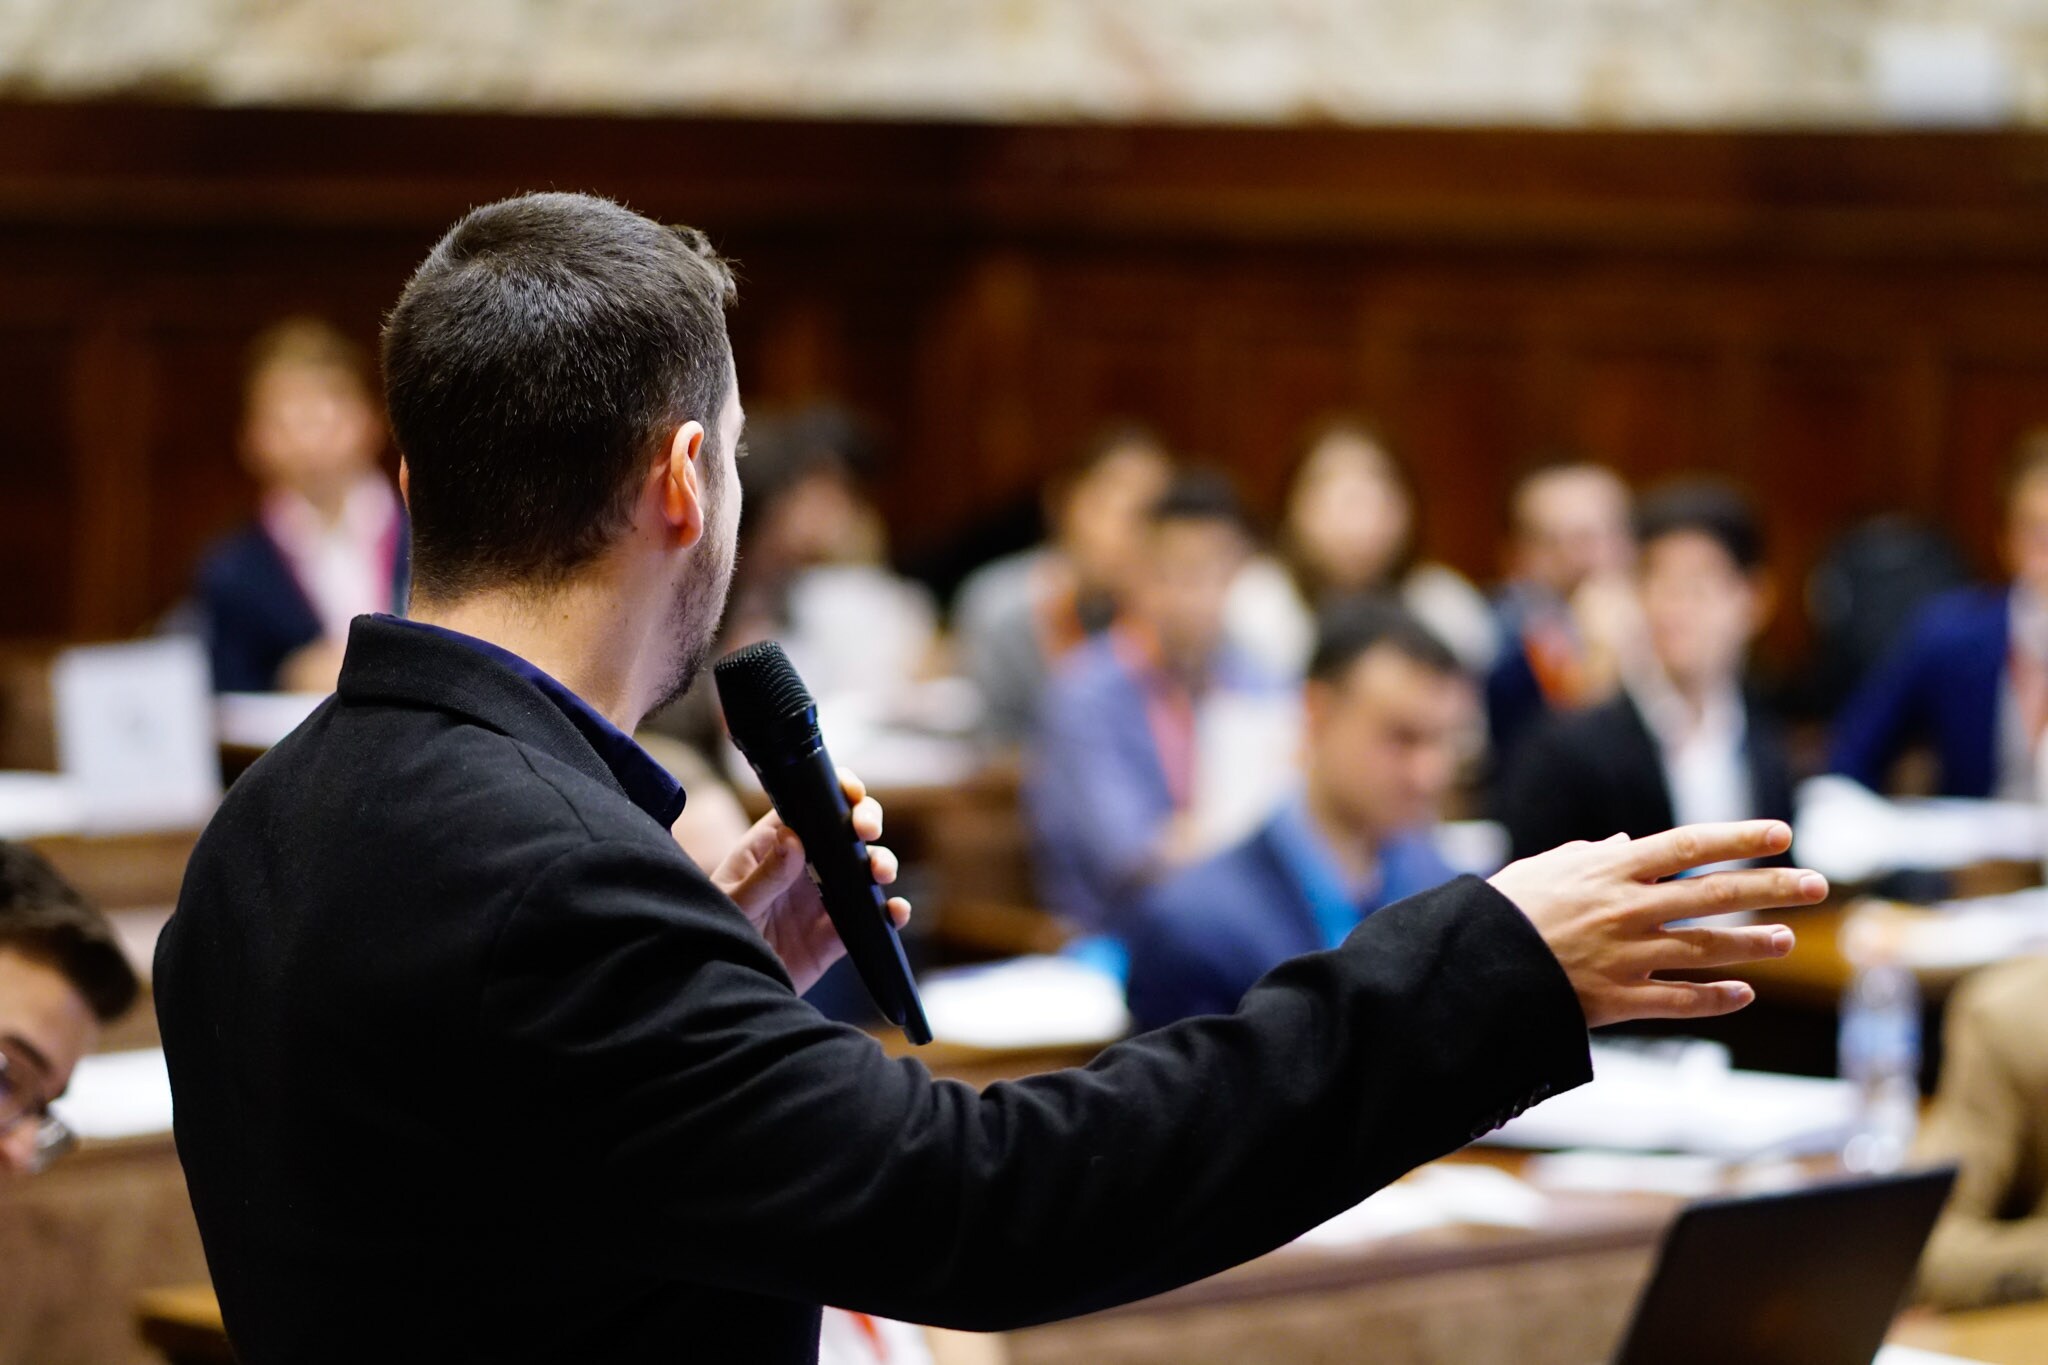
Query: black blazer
{"x":1598,"y":772}
{"x":471,"y":1063}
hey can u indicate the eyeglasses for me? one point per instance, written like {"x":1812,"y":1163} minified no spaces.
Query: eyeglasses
{"x":22,"y":1103}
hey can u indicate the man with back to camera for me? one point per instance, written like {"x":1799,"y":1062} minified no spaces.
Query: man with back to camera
{"x":472,"y":1063}
{"x":1387,"y":713}
{"x":62,"y":977}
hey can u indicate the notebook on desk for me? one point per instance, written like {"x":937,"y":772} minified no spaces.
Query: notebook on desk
{"x":1808,"y":1277}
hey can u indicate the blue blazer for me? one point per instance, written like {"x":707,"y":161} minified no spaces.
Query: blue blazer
{"x":256,"y":615}
{"x":1939,"y":685}
{"x":1095,"y":792}
{"x":1203,"y":937}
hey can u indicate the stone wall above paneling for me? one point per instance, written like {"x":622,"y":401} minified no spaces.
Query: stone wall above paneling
{"x":1678,"y":63}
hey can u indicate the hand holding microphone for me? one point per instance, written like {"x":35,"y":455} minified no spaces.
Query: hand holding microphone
{"x":774,"y":721}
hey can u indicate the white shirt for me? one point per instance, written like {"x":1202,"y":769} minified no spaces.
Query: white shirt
{"x":343,"y":568}
{"x":2017,"y":779}
{"x":1705,"y":754}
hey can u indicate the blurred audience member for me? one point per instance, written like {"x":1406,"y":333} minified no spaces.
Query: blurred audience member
{"x":1016,"y":618}
{"x":1349,"y":529}
{"x":1863,"y":595}
{"x":1971,"y":676}
{"x":1386,"y":711}
{"x":62,"y":976}
{"x":1112,"y":782}
{"x":1991,"y":1118}
{"x":1567,"y":612}
{"x":1680,"y":744}
{"x":329,"y":541}
{"x":813,"y":569}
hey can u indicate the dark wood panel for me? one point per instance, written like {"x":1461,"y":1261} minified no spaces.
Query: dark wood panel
{"x":1847,"y":321}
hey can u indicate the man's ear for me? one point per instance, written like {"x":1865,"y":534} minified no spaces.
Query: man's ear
{"x":682,"y":485}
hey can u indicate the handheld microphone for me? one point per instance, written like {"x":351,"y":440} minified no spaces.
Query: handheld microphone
{"x":774,"y":721}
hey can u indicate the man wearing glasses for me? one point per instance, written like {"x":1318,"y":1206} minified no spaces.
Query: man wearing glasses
{"x":61,"y":977}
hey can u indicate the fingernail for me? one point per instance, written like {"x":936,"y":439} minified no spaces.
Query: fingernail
{"x":1813,"y":885}
{"x":1781,"y":941}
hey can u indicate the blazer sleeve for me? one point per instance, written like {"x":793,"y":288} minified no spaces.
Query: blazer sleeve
{"x":1881,"y":716}
{"x":1983,"y":1120}
{"x":715,"y":1127}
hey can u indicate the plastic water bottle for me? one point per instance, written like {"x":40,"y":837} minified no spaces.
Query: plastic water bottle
{"x":1880,"y":1055}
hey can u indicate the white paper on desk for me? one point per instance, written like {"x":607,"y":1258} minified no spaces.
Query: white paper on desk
{"x":1974,"y":933}
{"x":1849,"y":833}
{"x":1027,"y":1002}
{"x":117,"y":1095}
{"x":1653,"y":1103}
{"x":257,"y":720}
{"x":135,"y":731}
{"x":36,"y":804}
{"x":1442,"y":1195}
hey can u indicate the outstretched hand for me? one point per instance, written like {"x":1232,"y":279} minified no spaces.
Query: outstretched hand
{"x":765,"y":877}
{"x":1606,"y":912}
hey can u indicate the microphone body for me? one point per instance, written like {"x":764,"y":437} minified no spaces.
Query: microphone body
{"x":774,"y":721}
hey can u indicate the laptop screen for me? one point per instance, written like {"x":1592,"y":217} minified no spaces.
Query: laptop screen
{"x":1808,"y":1277}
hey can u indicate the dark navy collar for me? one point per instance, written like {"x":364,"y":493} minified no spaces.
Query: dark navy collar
{"x":646,"y":783}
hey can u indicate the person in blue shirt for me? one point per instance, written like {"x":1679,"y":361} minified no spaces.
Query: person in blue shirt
{"x":1388,"y":716}
{"x":1113,"y":776}
{"x":1970,"y":677}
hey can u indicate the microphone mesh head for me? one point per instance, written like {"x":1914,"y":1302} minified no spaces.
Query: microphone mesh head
{"x":757,"y":686}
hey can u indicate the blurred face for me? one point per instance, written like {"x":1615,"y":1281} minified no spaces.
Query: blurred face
{"x":1702,"y":610}
{"x":310,"y":428}
{"x":1385,"y":741}
{"x":2026,"y":534}
{"x":1348,"y":516}
{"x":45,"y":1027}
{"x":1572,"y":525}
{"x":1101,"y":526}
{"x":1188,"y":569}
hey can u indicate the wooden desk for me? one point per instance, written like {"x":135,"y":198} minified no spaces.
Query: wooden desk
{"x":2013,"y":1335}
{"x":122,"y":871}
{"x":81,"y":1241}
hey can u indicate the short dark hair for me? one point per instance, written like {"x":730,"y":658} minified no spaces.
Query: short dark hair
{"x":1350,"y":629}
{"x":1711,"y":509}
{"x":532,"y":365}
{"x":43,"y":917}
{"x":1200,"y":495}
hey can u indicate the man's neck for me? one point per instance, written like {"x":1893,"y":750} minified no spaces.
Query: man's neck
{"x":575,"y":634}
{"x":1357,"y":851}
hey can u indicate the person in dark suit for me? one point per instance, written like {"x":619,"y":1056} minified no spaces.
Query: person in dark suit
{"x":471,"y":1062}
{"x":1681,"y":742}
{"x":1565,"y":627}
{"x":328,"y":543}
{"x":1970,"y":678}
{"x":1387,"y":713}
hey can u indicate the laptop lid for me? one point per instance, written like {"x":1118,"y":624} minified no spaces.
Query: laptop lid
{"x":1808,"y":1277}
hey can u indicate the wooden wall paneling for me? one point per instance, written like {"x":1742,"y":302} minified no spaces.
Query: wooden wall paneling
{"x":112,"y":387}
{"x":1460,"y":419}
{"x":37,"y":568}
